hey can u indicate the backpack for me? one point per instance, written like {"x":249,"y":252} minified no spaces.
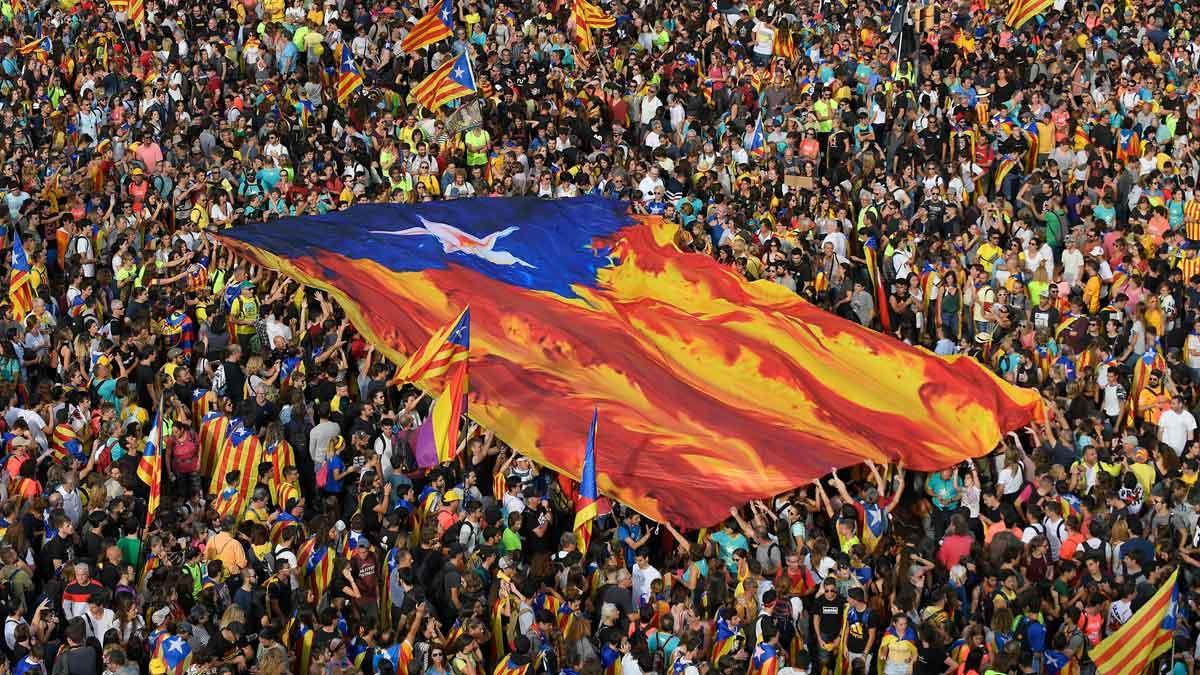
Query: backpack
{"x":453,"y":534}
{"x":218,"y":380}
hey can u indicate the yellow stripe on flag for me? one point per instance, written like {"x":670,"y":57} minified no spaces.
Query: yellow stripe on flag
{"x":1141,"y":640}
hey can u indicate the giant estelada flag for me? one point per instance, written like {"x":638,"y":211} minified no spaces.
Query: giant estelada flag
{"x":714,"y":391}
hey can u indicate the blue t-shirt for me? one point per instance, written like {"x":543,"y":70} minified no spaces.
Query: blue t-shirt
{"x":626,"y":532}
{"x":727,"y":544}
{"x":333,"y":484}
{"x":1035,"y":637}
{"x":946,"y":493}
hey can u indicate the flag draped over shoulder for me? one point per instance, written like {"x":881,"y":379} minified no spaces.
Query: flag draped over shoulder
{"x":242,"y":452}
{"x":586,"y":507}
{"x":20,"y":280}
{"x":715,"y":391}
{"x":1147,"y":635}
{"x":436,"y":25}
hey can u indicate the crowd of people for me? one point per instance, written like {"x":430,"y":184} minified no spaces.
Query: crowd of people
{"x":1025,"y":196}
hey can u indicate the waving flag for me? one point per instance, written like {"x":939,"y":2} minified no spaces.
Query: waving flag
{"x":714,"y":390}
{"x":446,"y":355}
{"x":137,"y":11}
{"x":586,"y":16}
{"x":150,"y":465}
{"x":447,"y":347}
{"x":436,"y":25}
{"x":1147,"y":635}
{"x":349,"y":80}
{"x":1022,"y":11}
{"x":585,"y":503}
{"x":871,"y":252}
{"x":452,"y":80}
{"x":20,"y":279}
{"x":39,"y":47}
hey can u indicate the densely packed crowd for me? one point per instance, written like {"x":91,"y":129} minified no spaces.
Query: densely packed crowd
{"x":1029,"y":196}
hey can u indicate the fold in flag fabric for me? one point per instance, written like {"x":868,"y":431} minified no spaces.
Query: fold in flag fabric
{"x":452,"y":80}
{"x":20,"y":280}
{"x":586,"y":505}
{"x":436,"y":25}
{"x":349,"y":80}
{"x":714,"y":390}
{"x":586,"y":16}
{"x":448,"y":346}
{"x":1147,"y":635}
{"x":1022,"y":11}
{"x":150,"y":465}
{"x":436,"y":440}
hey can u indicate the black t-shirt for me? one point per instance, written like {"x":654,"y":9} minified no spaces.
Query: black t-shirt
{"x":931,"y":660}
{"x":858,"y":629}
{"x":235,"y":381}
{"x":143,"y":378}
{"x":829,"y":615}
{"x":59,"y":549}
{"x":371,"y":524}
{"x":1045,"y":318}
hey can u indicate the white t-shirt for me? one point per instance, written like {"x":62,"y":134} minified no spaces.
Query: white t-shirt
{"x":1192,"y":347}
{"x":642,"y":578}
{"x":1176,"y":428}
{"x":764,"y":39}
{"x":1011,"y":478}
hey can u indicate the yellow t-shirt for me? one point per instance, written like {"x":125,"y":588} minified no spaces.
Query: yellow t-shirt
{"x":274,"y":10}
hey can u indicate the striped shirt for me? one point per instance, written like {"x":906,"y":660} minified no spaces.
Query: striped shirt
{"x":1191,"y":219}
{"x":1190,"y":266}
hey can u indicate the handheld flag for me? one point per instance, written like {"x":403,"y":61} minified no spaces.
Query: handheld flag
{"x":585,"y":505}
{"x":137,"y":12}
{"x":871,"y":251}
{"x":20,"y":280}
{"x":150,"y":465}
{"x":580,"y":300}
{"x":436,"y":25}
{"x":1148,"y":634}
{"x":1022,"y":11}
{"x":586,"y":16}
{"x":452,"y":80}
{"x":445,"y":348}
{"x":349,"y":80}
{"x":41,"y":47}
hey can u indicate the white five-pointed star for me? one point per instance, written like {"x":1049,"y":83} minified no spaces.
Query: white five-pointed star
{"x":175,"y":644}
{"x":458,"y":73}
{"x":446,"y":15}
